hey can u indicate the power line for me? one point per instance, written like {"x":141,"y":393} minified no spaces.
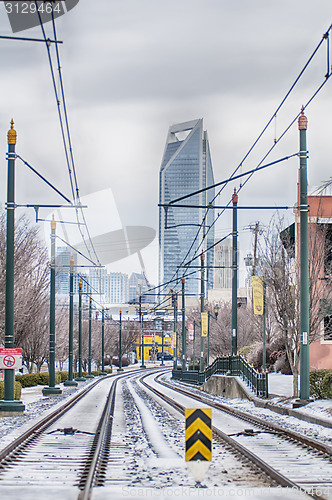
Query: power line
{"x":69,"y":156}
{"x":327,"y":76}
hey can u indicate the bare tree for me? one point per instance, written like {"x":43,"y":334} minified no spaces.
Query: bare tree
{"x":31,"y":290}
{"x":282,"y":275}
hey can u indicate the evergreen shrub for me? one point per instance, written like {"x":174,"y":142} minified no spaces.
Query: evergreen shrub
{"x":321,"y":384}
{"x":17,"y":390}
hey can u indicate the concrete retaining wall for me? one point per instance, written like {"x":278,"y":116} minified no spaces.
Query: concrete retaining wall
{"x":226,"y":386}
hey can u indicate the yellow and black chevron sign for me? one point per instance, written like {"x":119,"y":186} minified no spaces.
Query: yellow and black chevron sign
{"x":198,"y":434}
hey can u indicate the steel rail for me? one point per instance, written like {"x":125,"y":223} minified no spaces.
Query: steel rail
{"x":18,"y":444}
{"x":295,"y":436}
{"x":244,"y":452}
{"x":99,"y":450}
{"x":33,"y":432}
{"x":96,"y":462}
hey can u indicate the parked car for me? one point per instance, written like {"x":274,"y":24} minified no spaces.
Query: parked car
{"x":167,"y":356}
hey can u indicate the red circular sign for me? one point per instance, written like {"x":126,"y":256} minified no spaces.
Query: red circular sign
{"x":9,"y":361}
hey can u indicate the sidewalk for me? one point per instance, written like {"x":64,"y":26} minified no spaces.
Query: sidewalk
{"x":281,"y":400}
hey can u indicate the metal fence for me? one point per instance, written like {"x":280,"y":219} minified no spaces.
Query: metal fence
{"x":228,"y":365}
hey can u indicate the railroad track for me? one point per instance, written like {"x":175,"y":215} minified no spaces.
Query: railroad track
{"x":54,"y":453}
{"x":289,"y":458}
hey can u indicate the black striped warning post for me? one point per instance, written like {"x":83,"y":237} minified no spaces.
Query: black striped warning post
{"x":198,"y":434}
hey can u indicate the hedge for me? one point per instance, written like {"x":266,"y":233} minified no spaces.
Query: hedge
{"x":17,"y":390}
{"x":321,"y":384}
{"x":32,"y":379}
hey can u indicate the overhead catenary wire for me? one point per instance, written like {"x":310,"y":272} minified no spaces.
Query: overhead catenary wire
{"x":70,"y":146}
{"x":77,"y":251}
{"x":44,"y":179}
{"x":276,"y":141}
{"x":69,"y":161}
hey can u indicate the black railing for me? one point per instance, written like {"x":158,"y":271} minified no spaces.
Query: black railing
{"x":228,"y":365}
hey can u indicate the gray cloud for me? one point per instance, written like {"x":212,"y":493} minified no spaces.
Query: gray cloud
{"x":132,"y":68}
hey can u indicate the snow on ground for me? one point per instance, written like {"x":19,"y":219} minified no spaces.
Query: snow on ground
{"x":317,"y":408}
{"x":36,"y":407}
{"x":281,"y":385}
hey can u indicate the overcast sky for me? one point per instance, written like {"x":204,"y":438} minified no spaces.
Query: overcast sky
{"x":131,"y":68}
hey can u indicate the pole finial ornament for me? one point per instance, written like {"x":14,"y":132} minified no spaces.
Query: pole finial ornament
{"x":53,"y":223}
{"x":234,"y":196}
{"x":12,"y":133}
{"x":302,"y":121}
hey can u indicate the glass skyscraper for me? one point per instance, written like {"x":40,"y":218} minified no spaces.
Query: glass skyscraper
{"x":186,"y":167}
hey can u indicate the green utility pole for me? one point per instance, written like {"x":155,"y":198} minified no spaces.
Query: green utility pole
{"x":142,"y":330}
{"x":208,"y":339}
{"x":103,"y":342}
{"x":264,"y":324}
{"x":70,"y":381}
{"x":304,"y":260}
{"x":183,"y":327}
{"x":234,"y":279}
{"x":51,"y":389}
{"x":194,"y":364}
{"x":162,"y":342}
{"x":89,"y":355}
{"x":80,"y":377}
{"x":175,"y":322}
{"x":8,"y":406}
{"x":201,"y":359}
{"x":120,"y":369}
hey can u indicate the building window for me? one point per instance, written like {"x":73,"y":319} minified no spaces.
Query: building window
{"x":328,"y":328}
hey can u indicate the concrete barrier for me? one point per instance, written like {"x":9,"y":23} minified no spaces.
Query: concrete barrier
{"x":226,"y":386}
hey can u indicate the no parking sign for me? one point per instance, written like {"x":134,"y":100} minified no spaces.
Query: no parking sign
{"x":10,"y":358}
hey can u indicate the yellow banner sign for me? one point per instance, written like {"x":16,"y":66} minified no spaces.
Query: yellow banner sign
{"x":174,"y":340}
{"x":257,"y":294}
{"x":204,"y":324}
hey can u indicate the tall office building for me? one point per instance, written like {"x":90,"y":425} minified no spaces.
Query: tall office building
{"x":186,"y":167}
{"x":223,"y":259}
{"x":138,"y":285}
{"x":119,"y":288}
{"x":62,"y":262}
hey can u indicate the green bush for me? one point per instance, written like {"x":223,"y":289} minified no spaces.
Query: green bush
{"x":107,"y":370}
{"x":244,"y":351}
{"x":17,"y":390}
{"x":28,"y":380}
{"x":63,"y":376}
{"x":321,"y":384}
{"x":32,"y":379}
{"x":43,"y":378}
